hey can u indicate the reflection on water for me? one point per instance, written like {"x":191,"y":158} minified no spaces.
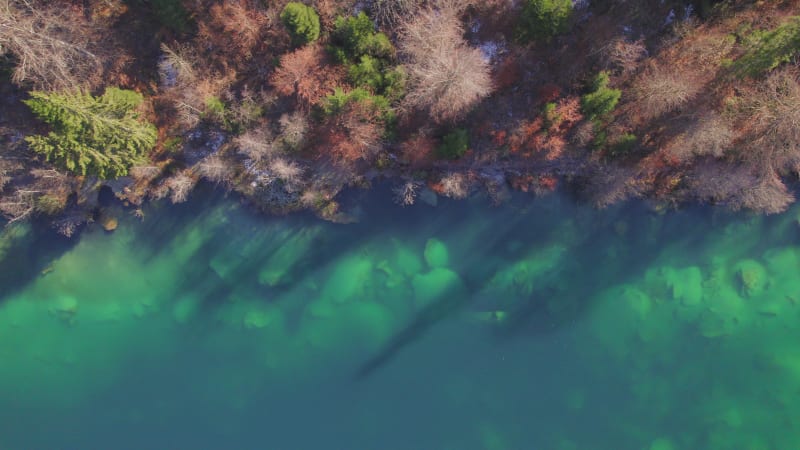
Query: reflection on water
{"x":537,"y":325}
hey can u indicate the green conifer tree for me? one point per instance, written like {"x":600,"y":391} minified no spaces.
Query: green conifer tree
{"x":100,"y":136}
{"x":302,"y":22}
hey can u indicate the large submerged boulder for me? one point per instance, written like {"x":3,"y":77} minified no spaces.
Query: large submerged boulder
{"x":436,"y":254}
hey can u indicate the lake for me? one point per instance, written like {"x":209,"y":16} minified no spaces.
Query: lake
{"x":538,"y":324}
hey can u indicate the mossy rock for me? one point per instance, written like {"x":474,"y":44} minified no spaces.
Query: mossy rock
{"x":439,"y":282}
{"x":686,"y":285}
{"x":751,"y":277}
{"x":436,"y":254}
{"x":109,"y":223}
{"x":262,"y":318}
{"x":662,"y":444}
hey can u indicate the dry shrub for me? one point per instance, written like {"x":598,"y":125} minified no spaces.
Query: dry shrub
{"x":177,"y":186}
{"x":406,"y":193}
{"x":739,"y":187}
{"x":446,"y":77}
{"x":661,"y":90}
{"x":774,"y":122}
{"x":454,"y":185}
{"x":55,"y":46}
{"x":623,"y":56}
{"x":352,"y":134}
{"x":709,"y":135}
{"x":583,"y":134}
{"x":215,"y":169}
{"x":305,"y":74}
{"x":289,"y":171}
{"x":240,"y":22}
{"x":257,"y":144}
{"x":508,"y":73}
{"x":294,"y":128}
{"x":418,"y":149}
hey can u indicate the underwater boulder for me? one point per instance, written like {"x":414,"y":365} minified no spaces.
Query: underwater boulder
{"x":65,"y":308}
{"x":435,"y":284}
{"x":184,"y":309}
{"x":662,"y":444}
{"x":686,"y":285}
{"x":350,"y":279}
{"x":436,"y":254}
{"x":262,"y":318}
{"x":751,"y":277}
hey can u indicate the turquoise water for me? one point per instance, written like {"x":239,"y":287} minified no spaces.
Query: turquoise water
{"x":540,"y":324}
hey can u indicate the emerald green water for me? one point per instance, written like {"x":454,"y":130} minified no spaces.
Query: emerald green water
{"x":541,"y":324}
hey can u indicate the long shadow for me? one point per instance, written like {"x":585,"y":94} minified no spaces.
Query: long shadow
{"x":28,"y":257}
{"x":602,"y":256}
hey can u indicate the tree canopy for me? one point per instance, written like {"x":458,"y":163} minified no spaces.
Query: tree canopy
{"x":302,"y":22}
{"x":100,"y":136}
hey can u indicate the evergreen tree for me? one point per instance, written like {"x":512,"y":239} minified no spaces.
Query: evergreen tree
{"x":100,"y":136}
{"x":302,"y":22}
{"x":543,"y":19}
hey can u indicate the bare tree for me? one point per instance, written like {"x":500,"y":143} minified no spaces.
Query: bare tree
{"x":51,"y":44}
{"x":623,"y":55}
{"x":661,"y":90}
{"x":215,"y":169}
{"x":406,"y":193}
{"x":294,"y":128}
{"x":455,"y":185}
{"x":288,"y":171}
{"x":390,"y":12}
{"x":446,"y":77}
{"x":774,"y":118}
{"x":257,"y":144}
{"x":739,"y":186}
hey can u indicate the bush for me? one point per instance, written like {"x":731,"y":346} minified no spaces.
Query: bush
{"x":454,"y":144}
{"x":602,"y":100}
{"x":372,"y":73}
{"x":543,"y":19}
{"x":767,"y":50}
{"x":355,"y":36}
{"x":623,"y":144}
{"x":336,"y":102}
{"x":99,"y":136}
{"x":550,"y":116}
{"x":302,"y":22}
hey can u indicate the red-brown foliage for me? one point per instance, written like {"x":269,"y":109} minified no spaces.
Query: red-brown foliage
{"x":508,"y":73}
{"x":418,"y":149}
{"x":305,"y":74}
{"x":352,"y":134}
{"x":242,"y":24}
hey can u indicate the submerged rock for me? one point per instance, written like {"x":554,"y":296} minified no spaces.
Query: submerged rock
{"x":662,"y":444}
{"x":751,"y":276}
{"x":109,"y":223}
{"x":437,"y":283}
{"x":436,"y":254}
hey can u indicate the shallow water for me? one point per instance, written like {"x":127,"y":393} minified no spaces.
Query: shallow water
{"x":541,"y":324}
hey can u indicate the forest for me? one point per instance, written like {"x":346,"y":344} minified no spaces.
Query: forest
{"x":288,"y":104}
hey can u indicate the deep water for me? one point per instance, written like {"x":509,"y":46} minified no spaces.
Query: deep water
{"x":539,"y":324}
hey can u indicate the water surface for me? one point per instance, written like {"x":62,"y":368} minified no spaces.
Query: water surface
{"x":540,"y":324}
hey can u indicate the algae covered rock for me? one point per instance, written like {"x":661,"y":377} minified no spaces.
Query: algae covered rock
{"x":436,"y":254}
{"x":109,"y":223}
{"x":436,"y":284}
{"x":686,"y":285}
{"x":662,"y":444}
{"x":751,"y":277}
{"x":65,"y":308}
{"x":262,"y":318}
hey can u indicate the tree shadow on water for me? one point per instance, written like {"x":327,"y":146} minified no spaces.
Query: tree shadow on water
{"x":28,"y":256}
